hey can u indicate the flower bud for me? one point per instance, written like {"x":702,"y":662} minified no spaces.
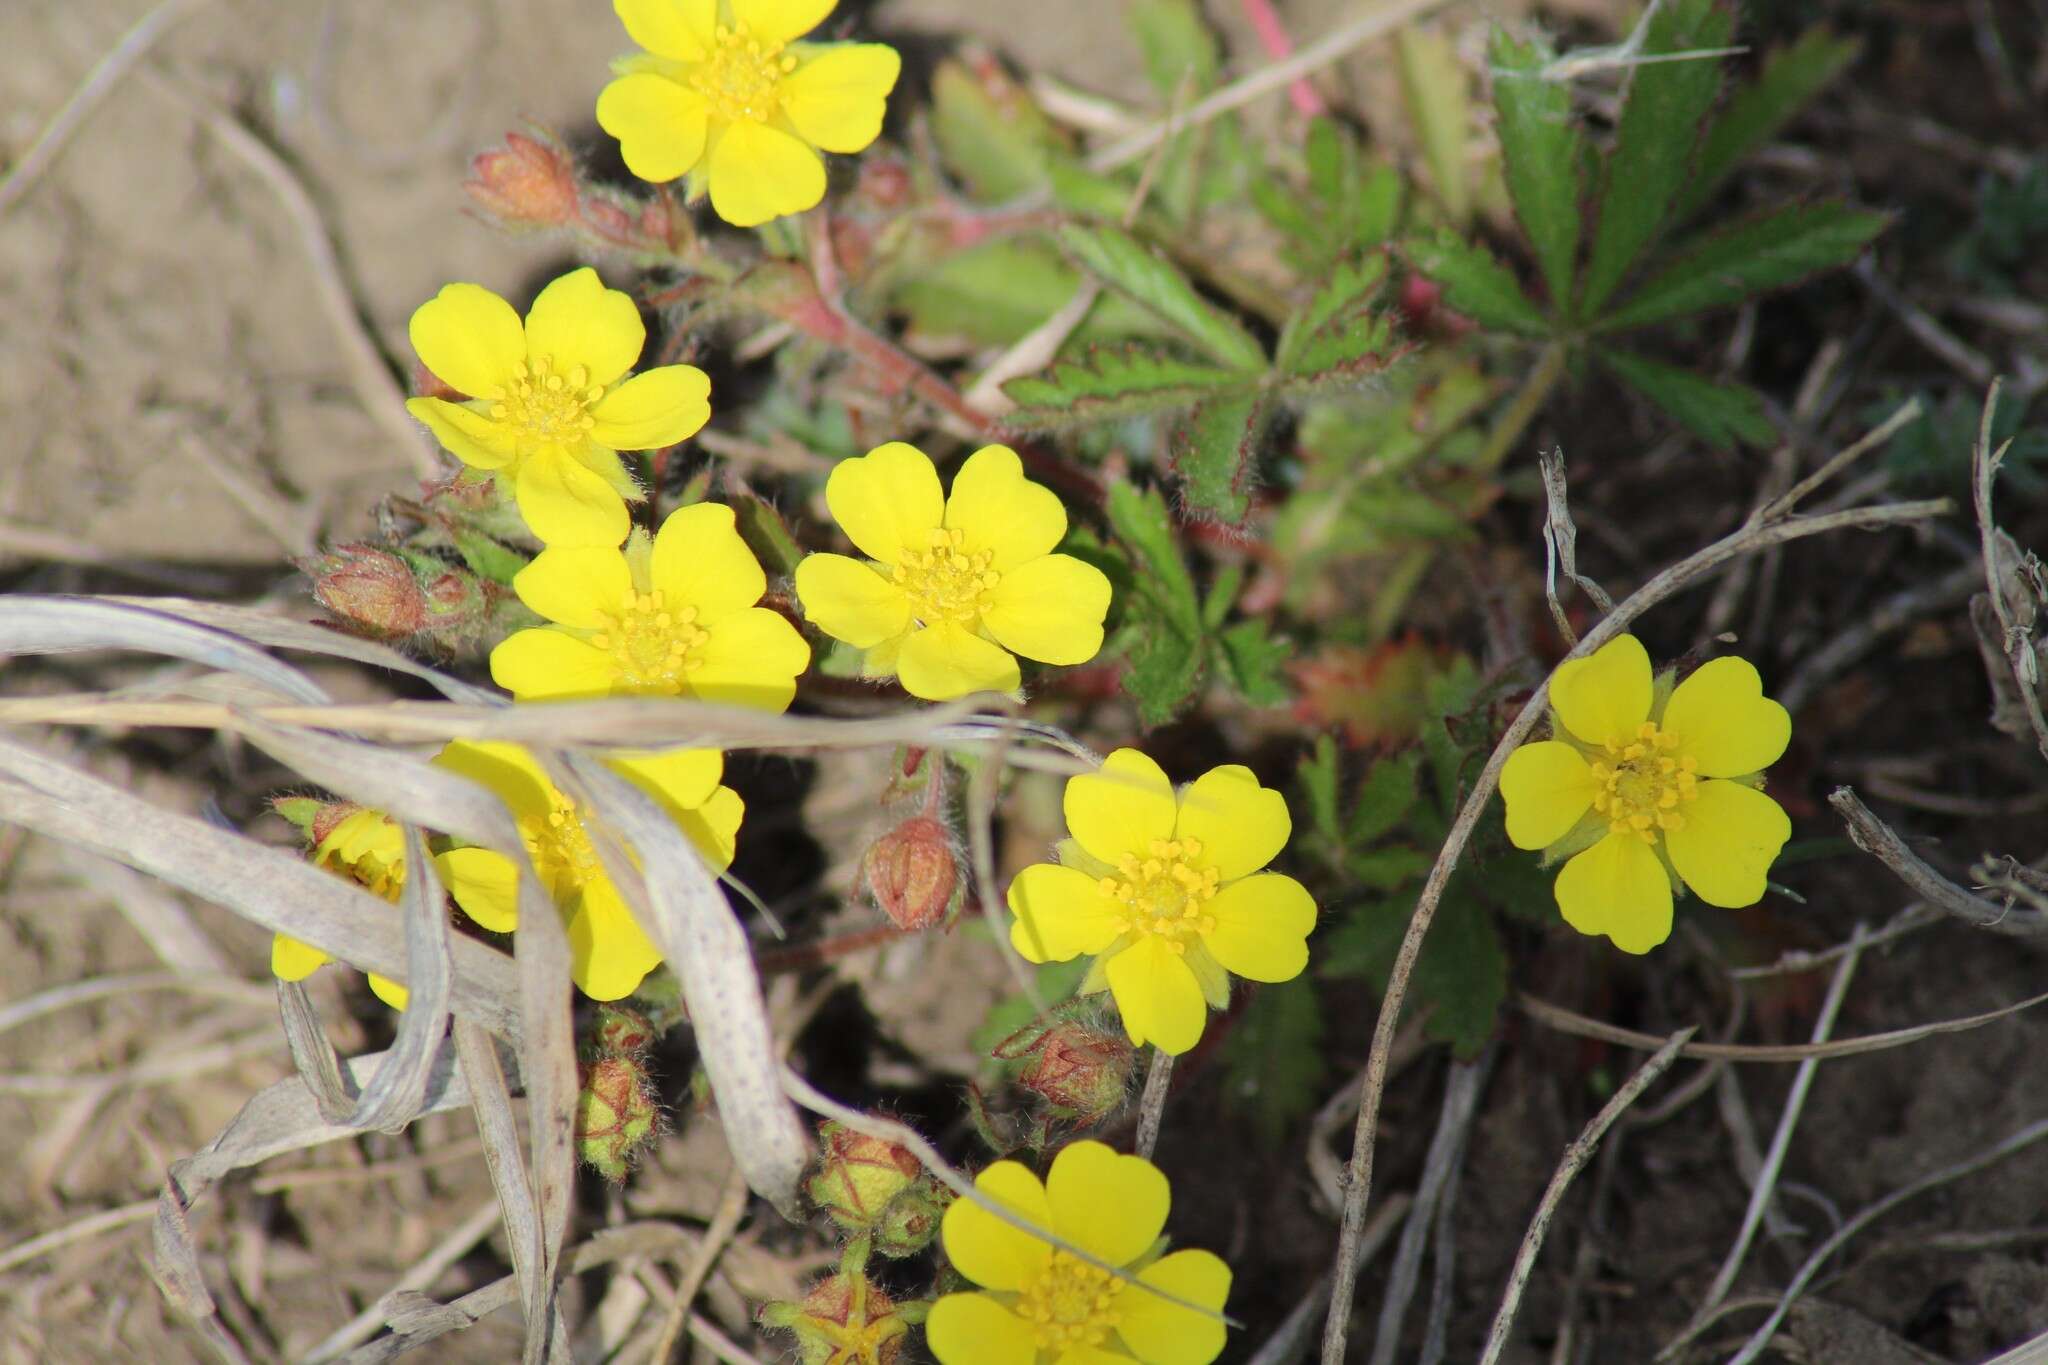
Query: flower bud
{"x":313,"y":817}
{"x":1082,"y":1071}
{"x":621,"y":1032}
{"x":911,"y":1220}
{"x":912,"y":874}
{"x":617,"y":1116}
{"x":529,"y":182}
{"x":846,"y":1319}
{"x":858,"y":1176}
{"x":373,"y":591}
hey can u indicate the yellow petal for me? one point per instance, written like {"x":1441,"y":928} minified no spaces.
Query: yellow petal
{"x":544,"y":664}
{"x":1050,"y":609}
{"x":468,"y":435}
{"x":1731,"y":836}
{"x":507,"y":771}
{"x":999,"y":510}
{"x":485,"y":884}
{"x":1121,"y":809}
{"x":389,"y":991}
{"x":1241,"y":825}
{"x":1157,"y":995}
{"x":946,"y":662}
{"x":752,"y":659}
{"x":759,"y":173}
{"x":700,"y":561}
{"x":1617,"y":888}
{"x":577,"y":321}
{"x":677,"y":29}
{"x":837,"y":98}
{"x":989,"y":1251}
{"x":609,"y":953}
{"x":1112,"y":1207}
{"x":1262,"y":927}
{"x":575,"y":585}
{"x":291,"y":960}
{"x":714,"y":827}
{"x":1060,"y":914}
{"x":565,"y":504}
{"x":850,"y":601}
{"x":656,"y":407}
{"x":365,"y":833}
{"x":779,"y":21}
{"x":1547,"y":786}
{"x":1722,"y":718}
{"x":681,"y":779}
{"x":973,"y":1329}
{"x":661,"y":124}
{"x":887,"y":501}
{"x":1161,"y":1332}
{"x":1605,"y":697}
{"x":469,"y":337}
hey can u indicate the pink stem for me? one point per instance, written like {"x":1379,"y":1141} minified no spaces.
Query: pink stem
{"x":1273,"y":37}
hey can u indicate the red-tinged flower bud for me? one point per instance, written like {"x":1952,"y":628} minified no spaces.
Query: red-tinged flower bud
{"x":456,"y":598}
{"x":1082,"y":1071}
{"x":617,"y":1116}
{"x":845,"y":1318}
{"x":858,"y":1176}
{"x":621,"y":1032}
{"x":528,"y":182}
{"x":373,"y":591}
{"x":910,"y":1222}
{"x":912,"y":874}
{"x":608,"y":219}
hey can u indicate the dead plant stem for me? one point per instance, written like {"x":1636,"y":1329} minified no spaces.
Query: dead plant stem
{"x":1152,"y":1104}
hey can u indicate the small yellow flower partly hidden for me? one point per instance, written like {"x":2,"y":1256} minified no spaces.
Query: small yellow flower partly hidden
{"x":670,"y":617}
{"x":368,"y":848}
{"x":550,"y":406}
{"x":1038,"y":1304}
{"x":1646,"y":787}
{"x":609,"y":953}
{"x":726,"y":95}
{"x":956,"y":586}
{"x":1162,"y":888}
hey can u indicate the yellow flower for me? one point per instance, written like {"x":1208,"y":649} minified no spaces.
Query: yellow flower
{"x":1646,"y":787}
{"x":726,"y":95}
{"x":674,"y":617}
{"x":1162,"y":888}
{"x":609,"y":952}
{"x":956,"y":585}
{"x":368,"y":848}
{"x":549,"y":404}
{"x":1041,"y":1305}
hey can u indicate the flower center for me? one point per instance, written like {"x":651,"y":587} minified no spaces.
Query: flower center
{"x":1642,"y":784}
{"x":372,"y":873}
{"x":1163,"y":893}
{"x":742,"y":76}
{"x":945,"y":581}
{"x":1069,"y":1304}
{"x":545,"y":409}
{"x":652,"y":644}
{"x":560,"y":849}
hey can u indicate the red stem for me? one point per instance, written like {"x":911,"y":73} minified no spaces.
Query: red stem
{"x":1265,"y":21}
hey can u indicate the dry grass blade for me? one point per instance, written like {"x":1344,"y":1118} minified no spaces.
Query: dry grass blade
{"x":1876,"y":838}
{"x":314,"y":1056}
{"x":680,"y":905}
{"x":394,"y":1095}
{"x":53,"y":625}
{"x":270,"y":887}
{"x":83,"y":992}
{"x":1561,"y":546}
{"x":547,"y":1059}
{"x":402,"y":786}
{"x":2014,"y":594}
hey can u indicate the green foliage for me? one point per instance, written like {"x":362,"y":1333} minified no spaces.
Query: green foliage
{"x":1720,"y":414}
{"x":766,"y":534}
{"x":1055,"y":982}
{"x":1541,"y":151}
{"x":1343,"y":330}
{"x":993,"y":137}
{"x":1108,"y":385}
{"x":1125,"y":264}
{"x":994,"y":293}
{"x":2009,"y":232}
{"x":1931,"y":454}
{"x":1349,"y":204}
{"x":1273,"y":1060}
{"x":1758,"y":112}
{"x":1214,"y":450}
{"x":1437,"y":93}
{"x":1163,"y":632}
{"x":1255,"y":662}
{"x":1475,"y":283}
{"x":1176,"y":43}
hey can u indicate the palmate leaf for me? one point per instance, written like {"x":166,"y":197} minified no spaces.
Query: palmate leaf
{"x":1766,"y":252}
{"x":1791,"y":77}
{"x":1343,"y":332}
{"x":1255,"y":662}
{"x":1541,"y":153}
{"x":1131,"y":268}
{"x":1720,"y":414}
{"x":1476,"y":284}
{"x":1161,"y":631}
{"x":1113,"y":384}
{"x":1215,"y":451}
{"x":1660,"y":125}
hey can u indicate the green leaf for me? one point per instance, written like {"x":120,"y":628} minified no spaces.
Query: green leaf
{"x":1462,"y":974}
{"x":1384,"y":798}
{"x":1215,"y":451}
{"x":993,"y":136}
{"x":1109,"y":385}
{"x":1759,"y":112}
{"x":1383,"y":869}
{"x":1055,"y":982}
{"x":1255,"y":663}
{"x":994,"y":293}
{"x":1319,"y":774}
{"x":1437,"y":92}
{"x":487,"y":558}
{"x":1766,"y":252}
{"x":1343,"y":332}
{"x":1542,"y":149}
{"x":1660,"y":124}
{"x":1125,"y":264}
{"x":1162,"y":632}
{"x":1720,"y":414}
{"x":1273,"y":1059}
{"x":1177,"y":45}
{"x":1476,"y":284}
{"x":766,"y":534}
